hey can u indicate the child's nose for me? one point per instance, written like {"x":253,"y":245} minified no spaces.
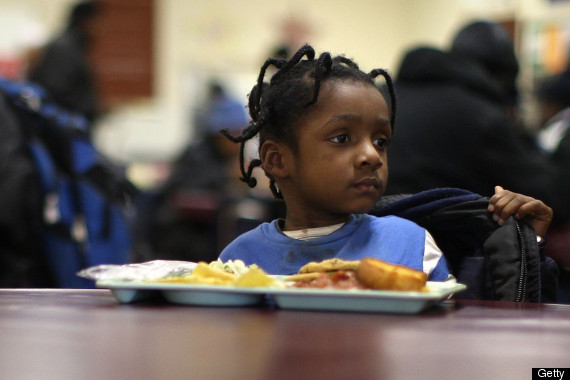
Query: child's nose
{"x":369,"y":156}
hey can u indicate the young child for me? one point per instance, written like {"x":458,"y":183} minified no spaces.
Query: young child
{"x":324,"y":129}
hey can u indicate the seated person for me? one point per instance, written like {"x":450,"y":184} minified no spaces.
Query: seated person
{"x":185,"y":217}
{"x":324,"y":130}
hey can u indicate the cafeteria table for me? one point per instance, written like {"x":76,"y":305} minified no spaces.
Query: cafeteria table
{"x":87,"y":334}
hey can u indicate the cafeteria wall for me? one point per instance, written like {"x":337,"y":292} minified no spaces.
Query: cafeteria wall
{"x":228,"y":39}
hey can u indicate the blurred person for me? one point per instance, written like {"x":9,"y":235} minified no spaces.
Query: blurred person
{"x":64,"y":68}
{"x":208,"y":163}
{"x":189,"y":206}
{"x":457,"y":125}
{"x":295,"y":30}
{"x":553,"y":96}
{"x":490,"y":46}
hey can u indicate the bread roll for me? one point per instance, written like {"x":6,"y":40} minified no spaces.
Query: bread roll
{"x":378,"y":274}
{"x":328,"y":265}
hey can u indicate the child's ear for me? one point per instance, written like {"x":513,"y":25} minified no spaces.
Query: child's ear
{"x":273,"y":156}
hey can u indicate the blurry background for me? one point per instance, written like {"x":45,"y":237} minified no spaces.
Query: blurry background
{"x":170,"y":73}
{"x":153,"y":57}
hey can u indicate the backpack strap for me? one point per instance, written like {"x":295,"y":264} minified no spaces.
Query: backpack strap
{"x":34,"y":99}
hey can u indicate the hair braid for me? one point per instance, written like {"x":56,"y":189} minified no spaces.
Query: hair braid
{"x":373,"y":74}
{"x":348,"y":62}
{"x":246,"y":176}
{"x":247,"y":134}
{"x":255,"y":96}
{"x":324,"y":62}
{"x":254,"y":105}
{"x":305,"y":50}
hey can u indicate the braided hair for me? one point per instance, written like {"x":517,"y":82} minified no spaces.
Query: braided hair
{"x":275,"y":106}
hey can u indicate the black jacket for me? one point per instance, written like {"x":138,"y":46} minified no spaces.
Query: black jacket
{"x":65,"y":71}
{"x":503,"y":263}
{"x":452,"y":130}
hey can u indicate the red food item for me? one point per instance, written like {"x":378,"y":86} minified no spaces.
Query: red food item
{"x":332,"y":280}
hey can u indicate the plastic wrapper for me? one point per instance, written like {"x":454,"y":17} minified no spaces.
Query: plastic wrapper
{"x":150,"y":270}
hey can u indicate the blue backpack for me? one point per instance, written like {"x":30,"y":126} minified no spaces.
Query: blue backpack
{"x":85,"y":199}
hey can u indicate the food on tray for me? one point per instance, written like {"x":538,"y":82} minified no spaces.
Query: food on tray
{"x":378,"y":274}
{"x":256,"y":277}
{"x":236,"y":267}
{"x":233,"y":273}
{"x":328,"y":265}
{"x":340,"y":279}
{"x":369,"y":273}
{"x":203,"y":274}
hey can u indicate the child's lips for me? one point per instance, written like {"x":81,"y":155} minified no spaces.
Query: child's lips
{"x":368,"y":184}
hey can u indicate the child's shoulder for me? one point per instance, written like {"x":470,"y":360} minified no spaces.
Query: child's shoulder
{"x":249,"y":245}
{"x":262,"y":229}
{"x":254,"y":236}
{"x":386,"y":221}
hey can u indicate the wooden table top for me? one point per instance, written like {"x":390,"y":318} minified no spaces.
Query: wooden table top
{"x":87,"y":334}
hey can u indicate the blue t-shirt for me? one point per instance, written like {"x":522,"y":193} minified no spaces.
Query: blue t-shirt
{"x":390,"y":238}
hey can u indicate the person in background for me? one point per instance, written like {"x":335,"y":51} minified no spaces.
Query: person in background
{"x":553,"y":96}
{"x":209,"y":163}
{"x":324,"y":131}
{"x":64,"y":68}
{"x":202,"y":183}
{"x":457,"y":123}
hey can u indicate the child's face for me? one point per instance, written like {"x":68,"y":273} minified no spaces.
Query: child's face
{"x":341,"y":165}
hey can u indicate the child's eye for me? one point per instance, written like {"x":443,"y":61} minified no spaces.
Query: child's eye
{"x":382,"y":143}
{"x":340,"y":139}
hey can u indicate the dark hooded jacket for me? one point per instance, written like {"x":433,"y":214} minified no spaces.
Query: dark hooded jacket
{"x":453,"y":130}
